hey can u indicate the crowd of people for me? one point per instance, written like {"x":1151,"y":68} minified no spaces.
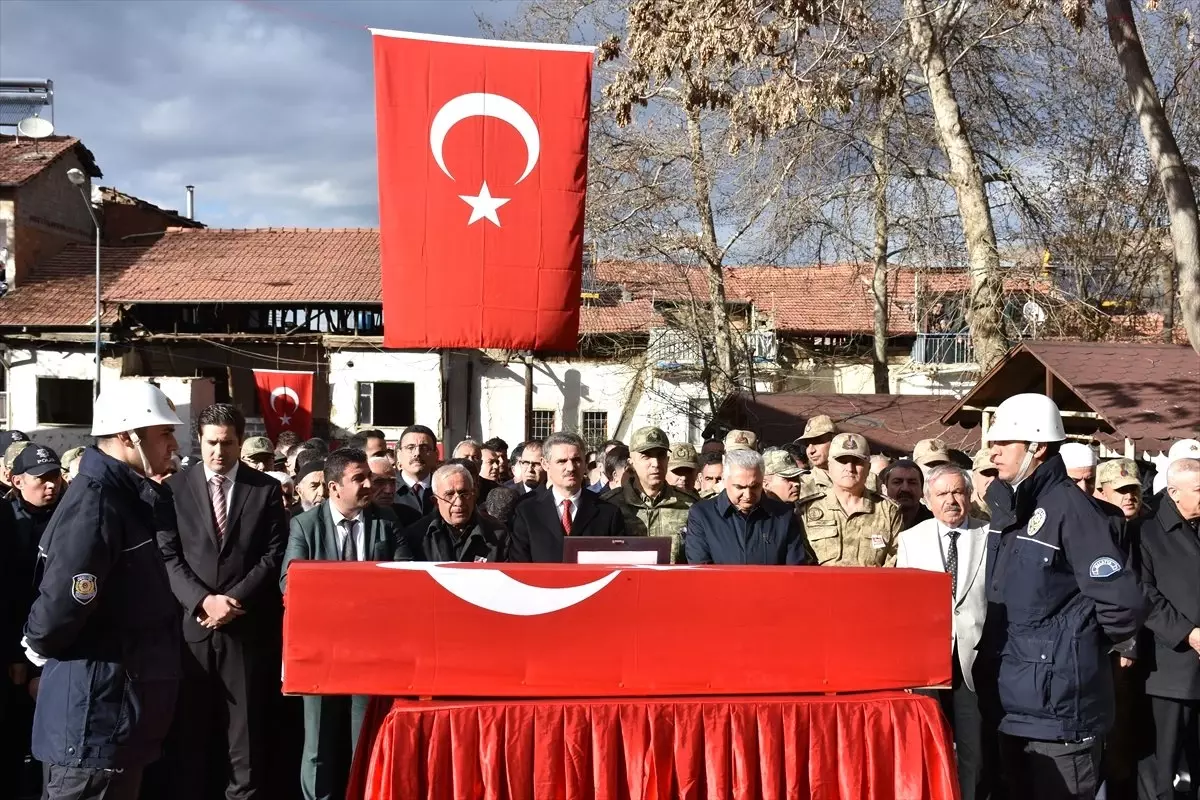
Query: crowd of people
{"x":143,"y":591}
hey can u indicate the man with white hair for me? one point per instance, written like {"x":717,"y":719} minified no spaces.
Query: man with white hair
{"x":383,"y":480}
{"x":468,"y":449}
{"x":1184,"y":448}
{"x":1170,"y":550}
{"x":455,"y":531}
{"x":953,"y":543}
{"x":740,"y":525}
{"x":1080,"y":461}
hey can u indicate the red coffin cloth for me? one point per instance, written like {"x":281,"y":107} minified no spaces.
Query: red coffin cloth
{"x":852,"y":747}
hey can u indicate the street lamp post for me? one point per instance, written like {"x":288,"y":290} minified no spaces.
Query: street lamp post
{"x":77,"y":177}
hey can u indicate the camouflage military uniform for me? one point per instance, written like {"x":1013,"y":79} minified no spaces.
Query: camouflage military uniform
{"x":867,"y":538}
{"x":665,"y":515}
{"x":980,"y":510}
{"x":815,"y":481}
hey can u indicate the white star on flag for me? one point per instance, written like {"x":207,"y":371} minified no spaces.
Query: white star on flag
{"x":284,"y":419}
{"x":483,"y":206}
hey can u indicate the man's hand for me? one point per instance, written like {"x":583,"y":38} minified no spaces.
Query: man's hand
{"x":1126,"y":663}
{"x":18,"y":673}
{"x":219,"y":609}
{"x":1193,"y":639}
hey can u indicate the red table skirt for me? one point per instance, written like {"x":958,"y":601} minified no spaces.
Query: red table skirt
{"x":867,"y":747}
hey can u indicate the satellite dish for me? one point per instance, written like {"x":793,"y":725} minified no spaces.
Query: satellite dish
{"x":1033,"y":313}
{"x":35,"y":127}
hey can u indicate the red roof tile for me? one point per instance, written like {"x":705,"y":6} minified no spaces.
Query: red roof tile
{"x":633,"y":317}
{"x":61,"y":292}
{"x":21,"y":158}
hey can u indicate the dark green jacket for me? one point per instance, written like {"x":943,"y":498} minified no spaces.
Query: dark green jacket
{"x":665,"y":515}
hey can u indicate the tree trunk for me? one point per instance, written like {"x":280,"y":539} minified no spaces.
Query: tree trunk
{"x":879,"y":137}
{"x":1169,"y":290}
{"x":984,"y":304}
{"x":1172,"y":172}
{"x":724,"y":379}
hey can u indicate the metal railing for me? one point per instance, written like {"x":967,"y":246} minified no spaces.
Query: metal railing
{"x":943,"y":348}
{"x":673,"y":348}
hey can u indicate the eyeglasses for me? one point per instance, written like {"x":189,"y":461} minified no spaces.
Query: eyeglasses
{"x":417,"y":448}
{"x":530,"y":464}
{"x":455,"y":497}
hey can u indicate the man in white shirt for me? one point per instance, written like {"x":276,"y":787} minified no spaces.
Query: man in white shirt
{"x":954,"y":543}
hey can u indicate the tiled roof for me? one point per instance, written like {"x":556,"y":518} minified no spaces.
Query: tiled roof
{"x":632,"y":317}
{"x":267,"y":265}
{"x":61,"y":292}
{"x":890,"y":423}
{"x":1149,"y":393}
{"x":21,"y":158}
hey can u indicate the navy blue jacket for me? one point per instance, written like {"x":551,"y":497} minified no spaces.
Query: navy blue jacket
{"x":107,"y":621}
{"x":717,"y":533}
{"x":1060,"y":594}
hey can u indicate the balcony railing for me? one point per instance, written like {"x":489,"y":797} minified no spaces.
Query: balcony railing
{"x":943,"y":348}
{"x":671,"y":348}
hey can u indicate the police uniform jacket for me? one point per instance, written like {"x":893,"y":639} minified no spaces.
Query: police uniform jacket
{"x":665,"y":515}
{"x":431,"y":538}
{"x":1060,"y":596}
{"x":107,"y":621}
{"x":717,"y":533}
{"x":1170,"y":549}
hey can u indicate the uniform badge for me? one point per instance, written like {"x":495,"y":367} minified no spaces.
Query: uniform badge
{"x":1037,"y":521}
{"x":83,"y":588}
{"x":1104,"y":567}
{"x":877,"y":541}
{"x":814,"y":514}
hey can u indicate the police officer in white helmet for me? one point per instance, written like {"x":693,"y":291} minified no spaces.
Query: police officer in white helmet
{"x":1059,"y":597}
{"x":105,"y":626}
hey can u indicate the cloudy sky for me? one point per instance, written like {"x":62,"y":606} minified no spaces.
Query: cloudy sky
{"x":267,"y":107}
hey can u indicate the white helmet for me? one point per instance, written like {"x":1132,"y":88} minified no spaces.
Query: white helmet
{"x":1027,"y":418}
{"x":131,"y":404}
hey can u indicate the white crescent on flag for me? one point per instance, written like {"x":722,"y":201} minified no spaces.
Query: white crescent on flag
{"x":284,"y":391}
{"x":493,"y":590}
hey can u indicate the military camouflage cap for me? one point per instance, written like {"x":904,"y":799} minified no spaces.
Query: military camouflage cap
{"x":850,"y":444}
{"x":815,"y":428}
{"x":983,"y":461}
{"x":649,"y":438}
{"x":13,"y":450}
{"x":930,"y":452}
{"x":257,"y":446}
{"x":682,"y":455}
{"x":741,"y":440}
{"x":1120,"y":472}
{"x":780,"y":462}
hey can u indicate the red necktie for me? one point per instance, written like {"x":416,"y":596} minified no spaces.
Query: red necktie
{"x":566,"y":517}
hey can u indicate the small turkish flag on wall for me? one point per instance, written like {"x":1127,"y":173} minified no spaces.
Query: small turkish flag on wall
{"x":482,"y":174}
{"x":286,"y":401}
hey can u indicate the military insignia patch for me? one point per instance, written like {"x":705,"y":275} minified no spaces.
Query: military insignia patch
{"x":814,"y":514}
{"x":83,"y":588}
{"x":1104,"y":568}
{"x":1037,"y":521}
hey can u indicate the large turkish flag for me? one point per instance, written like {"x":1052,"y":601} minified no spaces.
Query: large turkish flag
{"x":285,"y":399}
{"x":482,"y":174}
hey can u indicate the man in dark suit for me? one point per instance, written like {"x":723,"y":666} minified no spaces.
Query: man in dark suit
{"x":222,"y":562}
{"x":529,"y":473}
{"x":561,"y":509}
{"x":346,"y":527}
{"x":416,"y":459}
{"x":456,"y":531}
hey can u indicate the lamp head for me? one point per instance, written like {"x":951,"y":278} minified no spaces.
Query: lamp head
{"x":76,"y":176}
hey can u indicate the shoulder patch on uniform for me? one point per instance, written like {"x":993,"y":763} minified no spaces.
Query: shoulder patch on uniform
{"x":1104,"y":567}
{"x":813,"y":514}
{"x":83,"y":588}
{"x":1037,"y":521}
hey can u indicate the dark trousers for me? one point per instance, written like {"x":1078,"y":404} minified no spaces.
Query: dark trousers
{"x":221,"y":740}
{"x":1037,"y":770}
{"x":961,"y":707}
{"x":76,"y":783}
{"x":1176,"y":746}
{"x":332,"y":724}
{"x":1131,"y":739}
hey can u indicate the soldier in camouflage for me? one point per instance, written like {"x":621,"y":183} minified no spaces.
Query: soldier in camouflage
{"x":781,"y":475}
{"x":847,"y":524}
{"x":682,"y":467}
{"x":818,"y":434}
{"x":983,"y":472}
{"x":651,"y":506}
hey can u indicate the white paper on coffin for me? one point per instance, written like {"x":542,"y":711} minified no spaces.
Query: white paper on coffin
{"x":493,"y":590}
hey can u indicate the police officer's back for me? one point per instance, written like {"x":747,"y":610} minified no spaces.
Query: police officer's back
{"x":105,"y":624}
{"x":1059,"y":596}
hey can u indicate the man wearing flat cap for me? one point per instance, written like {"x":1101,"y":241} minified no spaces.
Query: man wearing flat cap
{"x":816,"y":439}
{"x":649,"y":505}
{"x":847,"y":524}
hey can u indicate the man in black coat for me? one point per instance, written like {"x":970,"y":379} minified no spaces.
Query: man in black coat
{"x":456,"y":531}
{"x":563,"y":508}
{"x":416,"y":459}
{"x":223,"y":563}
{"x":1170,"y":548}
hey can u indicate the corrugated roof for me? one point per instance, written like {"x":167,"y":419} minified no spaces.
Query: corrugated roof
{"x":21,"y":158}
{"x":1149,"y":393}
{"x":890,"y":423}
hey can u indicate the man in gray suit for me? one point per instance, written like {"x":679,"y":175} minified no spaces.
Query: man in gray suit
{"x":346,"y":527}
{"x":954,"y":543}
